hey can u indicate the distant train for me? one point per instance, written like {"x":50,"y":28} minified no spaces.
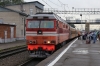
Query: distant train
{"x":46,"y":32}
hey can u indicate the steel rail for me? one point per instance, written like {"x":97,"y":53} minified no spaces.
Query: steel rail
{"x":9,"y":52}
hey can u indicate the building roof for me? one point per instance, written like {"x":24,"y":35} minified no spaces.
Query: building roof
{"x":7,"y":24}
{"x":21,"y":13}
{"x":33,"y":2}
{"x":26,"y":3}
{"x":36,"y":3}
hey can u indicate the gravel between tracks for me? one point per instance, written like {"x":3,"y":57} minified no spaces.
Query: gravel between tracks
{"x":14,"y":60}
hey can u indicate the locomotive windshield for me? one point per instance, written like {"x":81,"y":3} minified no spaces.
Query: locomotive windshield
{"x":47,"y":24}
{"x":33,"y":24}
{"x":40,"y":24}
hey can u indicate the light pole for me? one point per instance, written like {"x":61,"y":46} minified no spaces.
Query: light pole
{"x":72,"y":11}
{"x":81,"y":21}
{"x":81,"y":28}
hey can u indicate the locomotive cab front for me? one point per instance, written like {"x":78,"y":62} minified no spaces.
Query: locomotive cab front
{"x":41,"y":36}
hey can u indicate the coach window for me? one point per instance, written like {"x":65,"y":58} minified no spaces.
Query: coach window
{"x":66,"y":26}
{"x":60,"y":24}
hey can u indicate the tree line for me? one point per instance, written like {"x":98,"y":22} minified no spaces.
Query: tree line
{"x":10,"y":2}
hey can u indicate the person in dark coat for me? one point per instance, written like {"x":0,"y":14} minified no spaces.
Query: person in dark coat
{"x":88,"y":38}
{"x":99,"y":35}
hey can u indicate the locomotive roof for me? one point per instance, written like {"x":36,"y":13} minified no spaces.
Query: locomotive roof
{"x":49,"y":15}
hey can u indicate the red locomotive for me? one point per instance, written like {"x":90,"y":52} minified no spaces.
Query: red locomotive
{"x":46,"y":32}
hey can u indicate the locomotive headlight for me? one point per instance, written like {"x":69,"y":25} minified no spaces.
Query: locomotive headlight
{"x":48,"y":42}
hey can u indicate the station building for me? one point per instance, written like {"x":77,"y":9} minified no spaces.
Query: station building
{"x":29,"y":8}
{"x":11,"y":16}
{"x":17,"y":14}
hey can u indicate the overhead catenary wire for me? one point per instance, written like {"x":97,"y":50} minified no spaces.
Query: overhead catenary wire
{"x":54,"y":3}
{"x":47,"y":4}
{"x":63,"y":4}
{"x":60,"y":2}
{"x":68,"y":7}
{"x":62,"y":7}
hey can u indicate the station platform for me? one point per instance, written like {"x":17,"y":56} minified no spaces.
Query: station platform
{"x":12,"y":44}
{"x":77,"y":53}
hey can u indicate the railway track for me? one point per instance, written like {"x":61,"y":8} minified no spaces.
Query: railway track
{"x":9,"y":52}
{"x":31,"y":62}
{"x":34,"y":62}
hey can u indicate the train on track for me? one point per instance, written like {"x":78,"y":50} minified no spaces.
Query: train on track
{"x":46,"y":32}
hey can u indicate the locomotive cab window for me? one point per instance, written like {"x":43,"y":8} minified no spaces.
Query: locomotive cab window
{"x":47,"y":24}
{"x":40,"y":24}
{"x":33,"y":24}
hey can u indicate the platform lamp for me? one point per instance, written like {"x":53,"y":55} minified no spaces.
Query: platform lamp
{"x":81,"y":20}
{"x":81,"y":27}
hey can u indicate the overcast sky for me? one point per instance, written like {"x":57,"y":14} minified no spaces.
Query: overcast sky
{"x":57,"y":4}
{"x":73,"y":3}
{"x":70,"y":3}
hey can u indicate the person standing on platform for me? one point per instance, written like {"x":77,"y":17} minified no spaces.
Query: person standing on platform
{"x":99,"y":35}
{"x":83,"y":36}
{"x":78,"y":37}
{"x":94,"y":37}
{"x":88,"y":38}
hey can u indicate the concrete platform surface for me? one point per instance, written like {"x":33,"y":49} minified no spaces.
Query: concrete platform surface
{"x":77,"y":54}
{"x":12,"y":44}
